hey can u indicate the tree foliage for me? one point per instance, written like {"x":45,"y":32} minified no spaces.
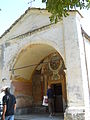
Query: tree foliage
{"x":60,"y":8}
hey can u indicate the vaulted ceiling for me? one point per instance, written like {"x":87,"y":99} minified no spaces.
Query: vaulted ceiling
{"x":29,"y":59}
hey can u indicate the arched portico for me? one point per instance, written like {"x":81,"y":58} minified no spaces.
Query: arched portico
{"x":29,"y":83}
{"x":29,"y":43}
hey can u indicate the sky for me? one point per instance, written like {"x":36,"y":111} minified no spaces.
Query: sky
{"x":11,"y":10}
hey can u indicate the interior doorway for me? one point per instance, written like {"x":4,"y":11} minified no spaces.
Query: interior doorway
{"x":58,"y":101}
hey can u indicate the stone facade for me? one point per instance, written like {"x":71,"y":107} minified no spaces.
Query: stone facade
{"x":32,"y":38}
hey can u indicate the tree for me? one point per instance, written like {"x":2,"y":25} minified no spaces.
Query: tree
{"x":60,"y":8}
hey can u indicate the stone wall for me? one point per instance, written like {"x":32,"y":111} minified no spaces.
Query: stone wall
{"x":23,"y":93}
{"x":74,"y":113}
{"x":37,"y":90}
{"x":65,"y":37}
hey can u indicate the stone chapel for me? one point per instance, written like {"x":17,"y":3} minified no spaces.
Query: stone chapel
{"x":35,"y":53}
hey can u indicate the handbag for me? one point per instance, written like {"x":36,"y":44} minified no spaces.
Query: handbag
{"x":45,"y":101}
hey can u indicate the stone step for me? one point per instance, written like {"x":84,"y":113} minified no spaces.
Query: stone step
{"x":40,"y":109}
{"x":39,"y":117}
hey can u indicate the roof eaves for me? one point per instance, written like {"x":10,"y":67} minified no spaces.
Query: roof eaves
{"x":14,"y":23}
{"x":25,"y":14}
{"x":85,"y":34}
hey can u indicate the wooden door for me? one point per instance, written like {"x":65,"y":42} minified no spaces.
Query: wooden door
{"x":58,"y":102}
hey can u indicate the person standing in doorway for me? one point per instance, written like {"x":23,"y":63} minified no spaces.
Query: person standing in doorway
{"x":9,"y":105}
{"x":50,"y":94}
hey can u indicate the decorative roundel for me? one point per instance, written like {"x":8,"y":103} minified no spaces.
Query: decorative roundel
{"x":55,"y":62}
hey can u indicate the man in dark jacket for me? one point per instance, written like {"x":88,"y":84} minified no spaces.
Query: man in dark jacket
{"x":9,"y":105}
{"x":50,"y":95}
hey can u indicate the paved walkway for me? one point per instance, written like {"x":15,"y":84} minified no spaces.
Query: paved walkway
{"x":39,"y":117}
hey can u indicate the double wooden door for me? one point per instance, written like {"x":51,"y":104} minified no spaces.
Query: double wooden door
{"x":58,"y":101}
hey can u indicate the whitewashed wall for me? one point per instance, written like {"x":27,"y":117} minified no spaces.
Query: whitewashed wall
{"x":65,"y":37}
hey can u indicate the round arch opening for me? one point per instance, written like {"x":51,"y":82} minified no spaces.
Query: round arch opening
{"x":36,"y":67}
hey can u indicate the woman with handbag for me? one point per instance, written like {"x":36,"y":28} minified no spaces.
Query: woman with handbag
{"x":50,"y":94}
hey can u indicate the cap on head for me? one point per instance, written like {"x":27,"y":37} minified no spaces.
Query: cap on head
{"x":5,"y":89}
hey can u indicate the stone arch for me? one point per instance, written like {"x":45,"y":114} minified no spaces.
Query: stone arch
{"x":25,"y":46}
{"x":44,"y":50}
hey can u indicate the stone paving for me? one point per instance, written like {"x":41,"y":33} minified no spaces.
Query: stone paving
{"x":39,"y":117}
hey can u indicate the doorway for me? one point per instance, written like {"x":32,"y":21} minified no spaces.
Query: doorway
{"x":58,"y":102}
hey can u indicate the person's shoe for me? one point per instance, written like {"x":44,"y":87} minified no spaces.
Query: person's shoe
{"x":53,"y":114}
{"x":50,"y":115}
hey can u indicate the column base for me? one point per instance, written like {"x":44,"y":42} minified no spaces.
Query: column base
{"x":73,"y":113}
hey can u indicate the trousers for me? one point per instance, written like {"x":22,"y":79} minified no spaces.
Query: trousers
{"x":10,"y":117}
{"x":51,"y":105}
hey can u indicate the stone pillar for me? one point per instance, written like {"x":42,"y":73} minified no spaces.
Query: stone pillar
{"x":2,"y":79}
{"x":74,"y":114}
{"x":44,"y":73}
{"x":4,"y":73}
{"x":0,"y":65}
{"x":75,"y":77}
{"x":45,"y":84}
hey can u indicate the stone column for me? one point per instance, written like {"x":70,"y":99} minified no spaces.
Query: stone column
{"x":0,"y":65}
{"x":75,"y":76}
{"x":4,"y":67}
{"x":45,"y":84}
